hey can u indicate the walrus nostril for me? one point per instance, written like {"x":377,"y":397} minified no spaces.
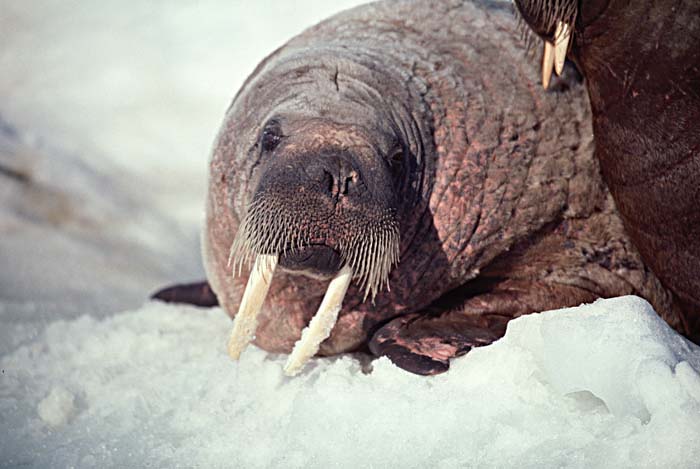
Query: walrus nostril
{"x":336,"y":177}
{"x":346,"y":185}
{"x":328,"y":181}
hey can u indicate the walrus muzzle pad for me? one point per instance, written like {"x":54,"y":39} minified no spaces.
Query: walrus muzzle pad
{"x":321,"y":208}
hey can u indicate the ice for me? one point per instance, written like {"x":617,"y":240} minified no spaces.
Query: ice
{"x":56,"y":408}
{"x":601,"y":385}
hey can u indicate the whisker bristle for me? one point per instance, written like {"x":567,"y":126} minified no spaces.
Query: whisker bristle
{"x":371,"y":251}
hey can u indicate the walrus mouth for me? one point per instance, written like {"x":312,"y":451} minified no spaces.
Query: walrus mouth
{"x":316,"y":258}
{"x":271,"y":236}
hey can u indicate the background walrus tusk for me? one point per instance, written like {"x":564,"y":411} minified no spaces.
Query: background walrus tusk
{"x":246,"y":321}
{"x":555,"y":53}
{"x":561,"y":44}
{"x":321,"y":324}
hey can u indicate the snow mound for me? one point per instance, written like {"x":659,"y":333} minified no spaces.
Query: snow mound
{"x":56,"y":407}
{"x":601,"y":385}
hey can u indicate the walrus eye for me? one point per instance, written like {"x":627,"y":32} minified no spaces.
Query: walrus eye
{"x":271,"y":136}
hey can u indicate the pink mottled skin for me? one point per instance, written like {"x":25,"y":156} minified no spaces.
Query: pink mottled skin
{"x":500,"y":205}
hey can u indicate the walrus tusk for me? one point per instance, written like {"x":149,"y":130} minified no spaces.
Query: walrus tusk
{"x":321,"y":324}
{"x":555,"y":53}
{"x":547,"y":63}
{"x":561,"y":45}
{"x":246,"y":321}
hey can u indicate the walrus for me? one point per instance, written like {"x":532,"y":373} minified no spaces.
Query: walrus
{"x":398,"y":165}
{"x":641,"y":63}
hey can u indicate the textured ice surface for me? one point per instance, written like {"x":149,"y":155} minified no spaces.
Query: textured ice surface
{"x":602,"y":385}
{"x":55,"y":408}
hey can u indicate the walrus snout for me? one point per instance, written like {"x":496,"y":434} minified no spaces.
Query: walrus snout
{"x":312,"y":207}
{"x":312,"y":202}
{"x":320,"y":197}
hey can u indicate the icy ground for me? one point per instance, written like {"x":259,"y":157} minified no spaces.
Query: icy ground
{"x":107,"y":113}
{"x":604,"y":385}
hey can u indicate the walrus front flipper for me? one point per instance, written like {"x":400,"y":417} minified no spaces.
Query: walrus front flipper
{"x":198,"y":294}
{"x":424,"y":342}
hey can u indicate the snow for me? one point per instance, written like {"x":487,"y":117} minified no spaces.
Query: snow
{"x":107,"y":113}
{"x":601,"y":385}
{"x":56,"y":407}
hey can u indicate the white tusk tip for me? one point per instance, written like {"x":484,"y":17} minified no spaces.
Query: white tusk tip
{"x":321,"y":324}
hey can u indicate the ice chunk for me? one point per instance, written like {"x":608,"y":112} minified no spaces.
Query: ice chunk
{"x":57,"y":407}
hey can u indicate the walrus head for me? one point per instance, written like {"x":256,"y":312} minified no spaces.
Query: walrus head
{"x":321,"y":166}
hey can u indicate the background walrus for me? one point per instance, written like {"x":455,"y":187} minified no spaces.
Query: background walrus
{"x":407,"y":143}
{"x":641,"y":61}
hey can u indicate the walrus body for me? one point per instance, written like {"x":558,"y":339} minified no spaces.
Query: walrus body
{"x":416,"y":129}
{"x":641,"y":62}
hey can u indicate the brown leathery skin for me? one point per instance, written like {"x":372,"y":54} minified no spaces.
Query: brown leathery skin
{"x":641,"y":62}
{"x":503,"y":213}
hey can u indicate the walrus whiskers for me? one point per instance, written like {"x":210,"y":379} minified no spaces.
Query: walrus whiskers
{"x":321,"y":324}
{"x":371,"y":253}
{"x":246,"y":321}
{"x":263,"y":230}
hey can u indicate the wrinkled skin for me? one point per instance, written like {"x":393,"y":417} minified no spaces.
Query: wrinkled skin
{"x":641,"y":62}
{"x":492,"y":183}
